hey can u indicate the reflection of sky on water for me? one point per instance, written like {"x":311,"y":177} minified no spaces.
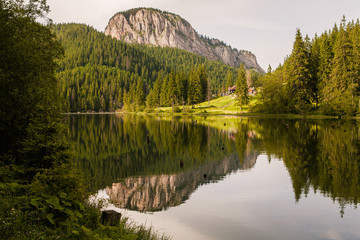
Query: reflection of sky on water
{"x":256,"y":204}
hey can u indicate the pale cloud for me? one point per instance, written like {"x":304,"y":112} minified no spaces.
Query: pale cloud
{"x":267,"y":28}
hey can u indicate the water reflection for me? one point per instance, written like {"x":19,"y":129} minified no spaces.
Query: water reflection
{"x":148,"y":164}
{"x":158,"y":192}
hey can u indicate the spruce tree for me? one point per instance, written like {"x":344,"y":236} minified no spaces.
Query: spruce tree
{"x":241,"y":91}
{"x":157,"y":88}
{"x":140,"y":93}
{"x":164,"y":102}
{"x":339,"y":93}
{"x":229,"y":80}
{"x":314,"y":62}
{"x":184,"y":79}
{"x":171,"y":89}
{"x":356,"y":58}
{"x":325,"y":60}
{"x":191,"y":92}
{"x":298,"y":77}
{"x":203,"y":81}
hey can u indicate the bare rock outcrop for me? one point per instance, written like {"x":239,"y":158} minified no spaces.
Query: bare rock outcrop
{"x":164,"y":29}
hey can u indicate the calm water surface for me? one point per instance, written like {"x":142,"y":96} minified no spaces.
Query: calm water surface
{"x":225,"y":178}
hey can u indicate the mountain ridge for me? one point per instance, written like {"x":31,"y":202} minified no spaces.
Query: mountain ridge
{"x":151,"y":26}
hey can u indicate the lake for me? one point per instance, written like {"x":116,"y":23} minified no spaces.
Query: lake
{"x":225,"y":177}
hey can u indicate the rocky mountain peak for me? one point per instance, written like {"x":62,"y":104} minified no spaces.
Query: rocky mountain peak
{"x":154,"y":27}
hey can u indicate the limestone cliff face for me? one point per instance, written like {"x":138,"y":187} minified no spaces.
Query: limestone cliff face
{"x":154,"y":27}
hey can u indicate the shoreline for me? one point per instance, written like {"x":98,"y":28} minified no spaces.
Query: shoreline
{"x":245,"y":115}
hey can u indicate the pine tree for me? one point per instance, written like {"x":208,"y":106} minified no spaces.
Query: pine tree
{"x":140,"y":93}
{"x":229,"y":80}
{"x":184,"y":87}
{"x":164,"y":99}
{"x":198,"y":88}
{"x":298,"y":77}
{"x":325,"y":60}
{"x":314,"y":63}
{"x":171,"y":89}
{"x":241,"y":92}
{"x":191,"y":91}
{"x":356,"y":56}
{"x":203,"y":81}
{"x":339,"y":92}
{"x":195,"y":88}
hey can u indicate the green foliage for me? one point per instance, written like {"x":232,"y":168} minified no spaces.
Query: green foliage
{"x":27,"y":82}
{"x":273,"y":94}
{"x":297,"y":74}
{"x":339,"y":93}
{"x":241,"y":92}
{"x":97,"y":71}
{"x":41,"y":194}
{"x":322,"y":72}
{"x":229,"y":80}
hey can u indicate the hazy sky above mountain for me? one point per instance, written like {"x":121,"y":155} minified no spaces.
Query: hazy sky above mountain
{"x":266,"y":28}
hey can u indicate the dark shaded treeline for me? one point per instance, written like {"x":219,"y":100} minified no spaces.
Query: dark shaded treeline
{"x":322,"y":155}
{"x":42,"y":195}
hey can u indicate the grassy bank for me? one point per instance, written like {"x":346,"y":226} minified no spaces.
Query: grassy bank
{"x":225,"y":106}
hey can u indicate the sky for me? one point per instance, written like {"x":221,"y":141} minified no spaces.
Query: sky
{"x":265,"y":27}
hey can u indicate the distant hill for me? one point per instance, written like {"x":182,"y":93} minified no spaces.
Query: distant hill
{"x":154,"y":27}
{"x":98,"y":71}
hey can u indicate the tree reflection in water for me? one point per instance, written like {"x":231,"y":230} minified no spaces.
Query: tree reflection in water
{"x":150,"y":164}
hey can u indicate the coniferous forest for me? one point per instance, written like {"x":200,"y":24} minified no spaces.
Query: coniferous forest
{"x":321,"y":74}
{"x":99,"y":73}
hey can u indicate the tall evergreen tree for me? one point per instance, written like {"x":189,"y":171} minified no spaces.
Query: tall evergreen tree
{"x":229,"y":80}
{"x":164,"y":98}
{"x":339,"y":92}
{"x":356,"y":58}
{"x":171,"y":88}
{"x":242,"y":97}
{"x":140,"y":93}
{"x":314,"y":62}
{"x":203,"y":81}
{"x":298,"y":77}
{"x":183,"y":87}
{"x":195,"y":88}
{"x":157,"y":89}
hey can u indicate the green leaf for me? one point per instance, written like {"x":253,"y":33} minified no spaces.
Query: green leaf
{"x":54,"y":203}
{"x":78,"y":214}
{"x":69,"y":212}
{"x":50,"y":218}
{"x":81,"y":206}
{"x":63,"y":195}
{"x":73,"y":218}
{"x":35,"y":202}
{"x":66,"y":203}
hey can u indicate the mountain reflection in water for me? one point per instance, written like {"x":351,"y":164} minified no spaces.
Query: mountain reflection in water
{"x":150,"y":164}
{"x":155,"y":193}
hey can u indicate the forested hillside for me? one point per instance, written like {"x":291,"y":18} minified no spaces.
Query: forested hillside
{"x":103,"y":74}
{"x":320,"y":74}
